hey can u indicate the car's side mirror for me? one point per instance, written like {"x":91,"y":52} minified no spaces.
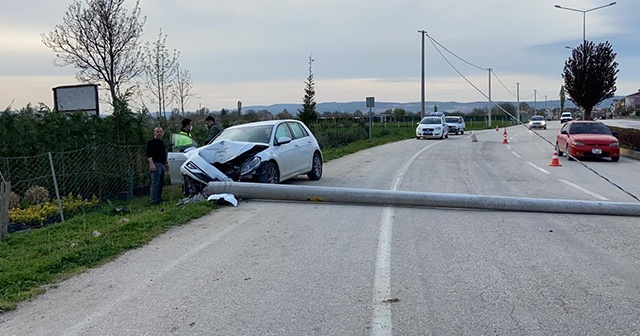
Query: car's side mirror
{"x":614,"y":133}
{"x":283,"y":140}
{"x":563,"y":132}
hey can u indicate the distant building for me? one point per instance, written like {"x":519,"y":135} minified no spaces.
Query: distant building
{"x":628,"y":103}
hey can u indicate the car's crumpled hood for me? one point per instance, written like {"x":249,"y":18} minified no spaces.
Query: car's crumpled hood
{"x":225,"y":150}
{"x":604,"y":138}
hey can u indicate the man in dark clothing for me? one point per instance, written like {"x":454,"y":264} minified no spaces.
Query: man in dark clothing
{"x":158,"y":165}
{"x":214,"y":128}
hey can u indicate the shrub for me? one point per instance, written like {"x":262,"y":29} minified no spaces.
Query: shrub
{"x":36,"y":195}
{"x":14,"y":200}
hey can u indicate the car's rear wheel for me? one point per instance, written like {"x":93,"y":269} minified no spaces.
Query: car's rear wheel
{"x":447,"y":136}
{"x":270,"y":175}
{"x":615,"y":159}
{"x":316,"y":168}
{"x":560,"y":153}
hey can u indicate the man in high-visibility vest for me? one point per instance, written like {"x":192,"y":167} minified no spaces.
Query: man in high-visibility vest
{"x":182,"y":142}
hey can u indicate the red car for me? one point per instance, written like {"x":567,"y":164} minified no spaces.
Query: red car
{"x":587,"y":138}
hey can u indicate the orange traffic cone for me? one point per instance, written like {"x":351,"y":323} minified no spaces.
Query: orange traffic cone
{"x":504,"y":139}
{"x":554,"y":161}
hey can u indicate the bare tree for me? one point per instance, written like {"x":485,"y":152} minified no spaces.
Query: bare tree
{"x":160,"y":68}
{"x":182,"y":88}
{"x":102,"y":41}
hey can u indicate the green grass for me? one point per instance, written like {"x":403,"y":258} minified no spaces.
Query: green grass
{"x":31,"y":261}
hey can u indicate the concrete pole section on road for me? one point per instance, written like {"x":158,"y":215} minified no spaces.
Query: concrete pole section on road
{"x":426,"y":199}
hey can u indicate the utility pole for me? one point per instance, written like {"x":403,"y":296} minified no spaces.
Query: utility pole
{"x":489,"y":97}
{"x":535,"y":102}
{"x":422,"y":78}
{"x":518,"y":98}
{"x":545,"y":106}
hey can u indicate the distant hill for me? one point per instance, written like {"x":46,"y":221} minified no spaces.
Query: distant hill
{"x":350,"y":107}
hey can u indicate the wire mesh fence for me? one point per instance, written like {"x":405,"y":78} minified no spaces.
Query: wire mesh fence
{"x":91,"y":173}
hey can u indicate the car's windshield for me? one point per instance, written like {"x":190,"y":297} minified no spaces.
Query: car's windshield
{"x":248,"y":134}
{"x":537,"y":118}
{"x":589,"y":128}
{"x":566,"y":114}
{"x":432,"y":120}
{"x":452,"y":120}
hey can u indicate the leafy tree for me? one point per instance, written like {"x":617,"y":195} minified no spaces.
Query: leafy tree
{"x":478,"y":111}
{"x":502,"y":107}
{"x":398,"y":113}
{"x":590,"y":75}
{"x":284,"y":115}
{"x":525,"y":106}
{"x":251,"y":116}
{"x":308,"y":113}
{"x":563,"y":98}
{"x":102,"y":41}
{"x":182,"y":88}
{"x":160,"y":68}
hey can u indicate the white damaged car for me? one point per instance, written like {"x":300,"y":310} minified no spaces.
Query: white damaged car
{"x":267,"y":151}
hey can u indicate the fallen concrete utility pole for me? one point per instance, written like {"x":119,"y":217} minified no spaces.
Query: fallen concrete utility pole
{"x":426,"y":199}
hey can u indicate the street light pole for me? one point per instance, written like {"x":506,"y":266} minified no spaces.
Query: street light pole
{"x":584,"y":16}
{"x":422,"y":78}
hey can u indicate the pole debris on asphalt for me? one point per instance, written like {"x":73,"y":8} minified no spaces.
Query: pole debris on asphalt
{"x":248,"y":190}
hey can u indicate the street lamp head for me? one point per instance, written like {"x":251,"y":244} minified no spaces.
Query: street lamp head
{"x":557,"y":6}
{"x":613,"y":3}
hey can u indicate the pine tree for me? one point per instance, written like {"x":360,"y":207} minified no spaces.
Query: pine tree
{"x":308,"y":114}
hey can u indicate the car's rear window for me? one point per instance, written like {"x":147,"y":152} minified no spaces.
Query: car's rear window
{"x":452,"y":120}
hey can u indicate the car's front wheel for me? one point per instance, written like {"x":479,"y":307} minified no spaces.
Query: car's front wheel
{"x":615,"y":159}
{"x":316,"y":168}
{"x":270,"y":174}
{"x":566,"y":150}
{"x":558,"y":149}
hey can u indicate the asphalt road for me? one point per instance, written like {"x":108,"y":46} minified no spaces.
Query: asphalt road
{"x":288,"y":268}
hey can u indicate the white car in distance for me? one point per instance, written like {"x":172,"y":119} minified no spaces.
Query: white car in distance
{"x":433,"y":126}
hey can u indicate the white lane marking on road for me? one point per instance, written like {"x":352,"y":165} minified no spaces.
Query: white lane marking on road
{"x":516,"y":155}
{"x":538,"y":168}
{"x":508,"y":147}
{"x":381,"y":322}
{"x":571,"y":184}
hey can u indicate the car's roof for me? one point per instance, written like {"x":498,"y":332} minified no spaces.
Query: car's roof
{"x":563,"y":113}
{"x":263,"y":123}
{"x":537,"y":117}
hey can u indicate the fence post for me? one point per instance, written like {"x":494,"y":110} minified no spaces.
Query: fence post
{"x":130,"y":180}
{"x":55,"y":185}
{"x":5,"y":191}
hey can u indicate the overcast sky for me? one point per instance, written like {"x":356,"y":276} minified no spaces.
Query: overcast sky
{"x":257,"y":51}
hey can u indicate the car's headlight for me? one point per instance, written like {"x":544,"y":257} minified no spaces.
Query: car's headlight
{"x":614,"y":144}
{"x":250,"y":165}
{"x":438,"y":128}
{"x":577,"y":143}
{"x":544,"y":123}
